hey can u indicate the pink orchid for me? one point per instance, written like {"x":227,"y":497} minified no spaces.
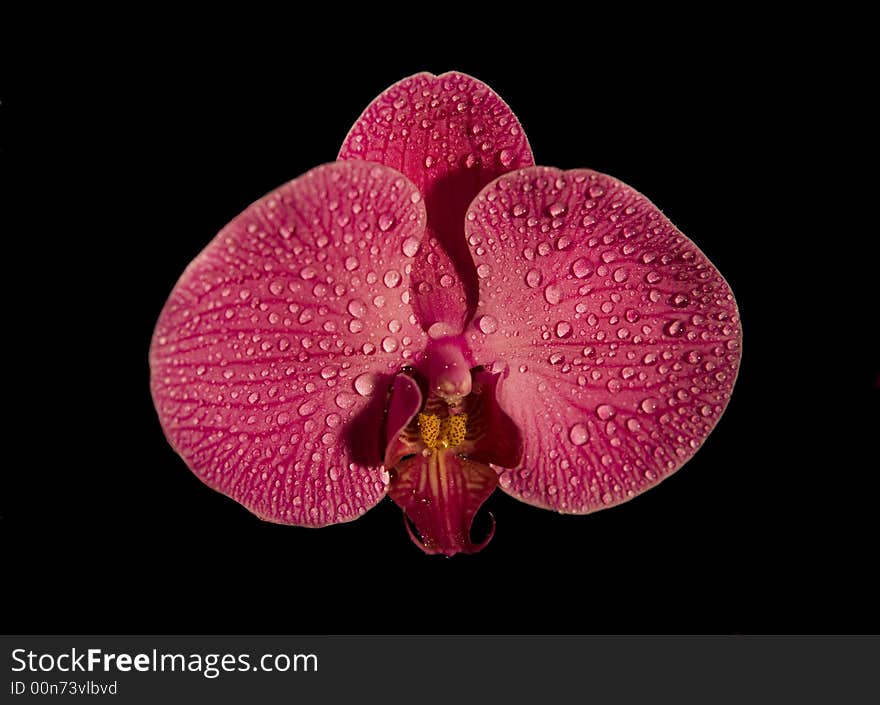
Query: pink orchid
{"x":432,"y":316}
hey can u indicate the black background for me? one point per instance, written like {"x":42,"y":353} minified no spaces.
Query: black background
{"x":133,"y":152}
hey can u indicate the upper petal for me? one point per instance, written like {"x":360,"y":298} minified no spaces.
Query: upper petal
{"x":621,"y":339}
{"x":451,"y":135}
{"x":268,"y":357}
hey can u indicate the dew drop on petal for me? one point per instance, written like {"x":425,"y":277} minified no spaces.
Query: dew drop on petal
{"x":410,"y":246}
{"x":649,"y":405}
{"x":488,"y":324}
{"x":483,"y":271}
{"x":351,"y":264}
{"x":385,"y":221}
{"x":553,"y":293}
{"x":674,"y":328}
{"x":533,"y":278}
{"x":605,"y":411}
{"x":441,"y":329}
{"x":364,"y":384}
{"x":308,"y":407}
{"x":391,"y":278}
{"x":344,"y":400}
{"x":563,"y":329}
{"x":357,"y":308}
{"x":579,"y":434}
{"x":581,"y":268}
{"x":389,"y":344}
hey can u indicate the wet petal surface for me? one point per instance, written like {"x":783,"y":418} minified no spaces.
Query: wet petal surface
{"x":270,"y":358}
{"x":620,"y":340}
{"x":451,"y":135}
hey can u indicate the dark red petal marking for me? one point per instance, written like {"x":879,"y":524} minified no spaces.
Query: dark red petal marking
{"x":451,"y":135}
{"x":404,"y":404}
{"x":274,"y":340}
{"x":621,"y":340}
{"x":492,"y":437}
{"x":440,"y":495}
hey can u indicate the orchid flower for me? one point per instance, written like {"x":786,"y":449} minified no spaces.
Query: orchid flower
{"x":432,"y":316}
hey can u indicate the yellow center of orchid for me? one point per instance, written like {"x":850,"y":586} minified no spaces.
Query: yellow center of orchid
{"x":439,"y":434}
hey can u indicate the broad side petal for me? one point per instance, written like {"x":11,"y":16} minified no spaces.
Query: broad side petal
{"x":269,"y":356}
{"x":621,"y":339}
{"x":451,"y":135}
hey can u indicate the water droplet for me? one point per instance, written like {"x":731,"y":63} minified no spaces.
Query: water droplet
{"x":533,"y":278}
{"x":429,"y":161}
{"x":368,"y":348}
{"x":706,"y":410}
{"x":596,"y":191}
{"x":483,"y":271}
{"x":674,"y":329}
{"x":679,"y":300}
{"x":441,"y":329}
{"x":307,"y":272}
{"x":357,"y":308}
{"x":633,"y":425}
{"x":649,"y":405}
{"x":620,"y":275}
{"x":276,"y":287}
{"x":557,"y":209}
{"x":328,"y":372}
{"x":410,"y":246}
{"x":364,"y":385}
{"x":344,"y":400}
{"x":579,"y":434}
{"x":553,"y":293}
{"x":385,"y":221}
{"x":391,"y":278}
{"x":506,"y":157}
{"x":488,"y":324}
{"x":308,"y":407}
{"x":351,"y":264}
{"x":563,"y":329}
{"x":389,"y":344}
{"x":605,"y":411}
{"x":447,"y":280}
{"x":581,"y":268}
{"x":334,"y":471}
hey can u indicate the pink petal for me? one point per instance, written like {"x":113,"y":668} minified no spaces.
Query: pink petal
{"x":621,"y":339}
{"x":269,"y":355}
{"x":451,"y":135}
{"x":441,"y":494}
